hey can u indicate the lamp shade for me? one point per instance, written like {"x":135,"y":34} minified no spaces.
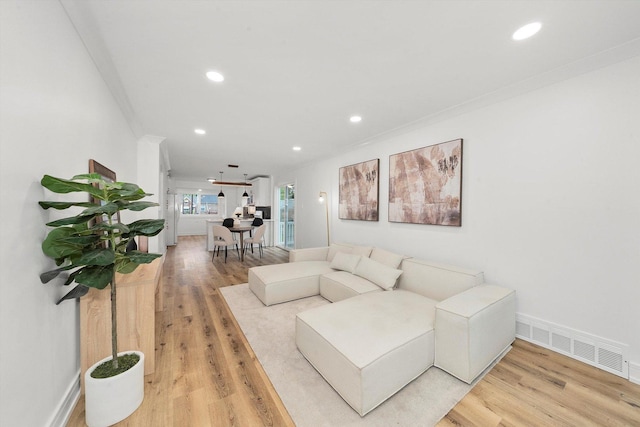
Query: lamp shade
{"x":220,"y":195}
{"x":238,"y":211}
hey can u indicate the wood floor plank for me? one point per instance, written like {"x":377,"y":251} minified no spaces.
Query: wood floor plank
{"x":207,"y":374}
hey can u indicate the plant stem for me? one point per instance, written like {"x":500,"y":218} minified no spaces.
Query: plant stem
{"x":114,"y":323}
{"x":114,"y":311}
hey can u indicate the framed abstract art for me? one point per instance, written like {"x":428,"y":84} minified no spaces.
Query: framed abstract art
{"x":425,"y":185}
{"x":358,"y":192}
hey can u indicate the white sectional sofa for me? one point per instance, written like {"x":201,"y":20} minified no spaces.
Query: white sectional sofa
{"x":393,"y":318}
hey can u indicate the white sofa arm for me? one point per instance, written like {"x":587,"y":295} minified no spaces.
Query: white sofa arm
{"x":473,"y":328}
{"x":309,"y":254}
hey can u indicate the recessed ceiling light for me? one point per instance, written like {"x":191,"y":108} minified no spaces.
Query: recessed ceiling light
{"x":297,"y":148}
{"x":200,"y":131}
{"x":355,"y":119}
{"x":199,"y":189}
{"x":527,"y":31}
{"x":215,"y":76}
{"x":211,"y":180}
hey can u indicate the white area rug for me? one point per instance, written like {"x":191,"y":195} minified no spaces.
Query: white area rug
{"x":310,"y":400}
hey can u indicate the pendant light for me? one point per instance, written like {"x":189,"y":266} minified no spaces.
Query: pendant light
{"x":220,"y":194}
{"x":245,"y":196}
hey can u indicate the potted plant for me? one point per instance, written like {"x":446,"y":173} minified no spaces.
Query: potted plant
{"x":91,"y":247}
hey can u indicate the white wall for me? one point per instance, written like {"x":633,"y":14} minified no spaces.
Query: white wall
{"x":550,"y":201}
{"x":55,"y":114}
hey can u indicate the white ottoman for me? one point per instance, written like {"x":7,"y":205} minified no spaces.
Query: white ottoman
{"x":277,"y":283}
{"x":370,"y":346}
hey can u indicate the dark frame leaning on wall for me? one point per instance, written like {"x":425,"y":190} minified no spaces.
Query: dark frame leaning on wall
{"x":359,"y":189}
{"x":425,"y":185}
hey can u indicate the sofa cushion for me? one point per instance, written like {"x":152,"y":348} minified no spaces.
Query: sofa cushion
{"x":436,"y":281}
{"x":386,"y":257}
{"x":380,"y":274}
{"x":334,"y":248}
{"x":365,"y":251}
{"x":345,"y":262}
{"x":341,"y":285}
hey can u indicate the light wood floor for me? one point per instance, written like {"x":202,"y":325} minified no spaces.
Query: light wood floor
{"x":207,"y":375}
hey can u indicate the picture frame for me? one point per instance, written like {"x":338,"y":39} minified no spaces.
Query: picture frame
{"x":359,"y":188}
{"x":425,"y":185}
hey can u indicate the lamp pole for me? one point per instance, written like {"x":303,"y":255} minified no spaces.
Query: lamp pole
{"x":324,"y":199}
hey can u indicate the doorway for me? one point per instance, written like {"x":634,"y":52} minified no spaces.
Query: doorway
{"x":286,"y":216}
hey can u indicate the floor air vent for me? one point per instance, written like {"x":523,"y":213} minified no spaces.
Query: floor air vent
{"x":607,"y":355}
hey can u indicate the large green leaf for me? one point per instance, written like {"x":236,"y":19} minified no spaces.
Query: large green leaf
{"x":55,"y":245}
{"x":141,"y":257}
{"x":132,"y":259}
{"x":108,"y":208}
{"x":91,"y":177}
{"x":129,"y":192}
{"x":125,"y":266}
{"x":48,"y":276}
{"x":64,"y":205}
{"x":95,"y":276}
{"x":136,"y":206}
{"x":61,"y":186}
{"x":71,"y":278}
{"x":76,"y":292}
{"x":102,"y":256}
{"x":104,"y":226}
{"x":79,"y":219}
{"x":146,"y":227}
{"x":86,"y":241}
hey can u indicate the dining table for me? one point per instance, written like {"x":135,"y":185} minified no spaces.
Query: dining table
{"x":241,"y":230}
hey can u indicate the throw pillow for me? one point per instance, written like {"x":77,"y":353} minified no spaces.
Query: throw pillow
{"x":380,"y":274}
{"x":335,"y":248}
{"x":345,"y":262}
{"x":386,"y":257}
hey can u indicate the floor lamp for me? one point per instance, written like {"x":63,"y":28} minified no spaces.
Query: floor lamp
{"x":323,"y":199}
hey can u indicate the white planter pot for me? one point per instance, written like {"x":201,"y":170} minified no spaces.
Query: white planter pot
{"x":109,"y":400}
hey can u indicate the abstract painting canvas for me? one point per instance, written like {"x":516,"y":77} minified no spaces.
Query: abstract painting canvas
{"x":358,"y":196}
{"x":425,"y":185}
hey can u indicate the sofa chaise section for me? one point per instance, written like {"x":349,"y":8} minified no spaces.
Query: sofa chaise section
{"x":369,"y":347}
{"x":277,"y":283}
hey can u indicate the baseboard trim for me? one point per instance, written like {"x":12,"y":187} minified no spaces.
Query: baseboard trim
{"x":634,"y":372}
{"x":63,"y":412}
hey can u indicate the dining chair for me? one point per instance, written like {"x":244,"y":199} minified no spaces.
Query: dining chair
{"x":228,"y":222}
{"x":257,"y":222}
{"x":222,"y":238}
{"x":256,"y":239}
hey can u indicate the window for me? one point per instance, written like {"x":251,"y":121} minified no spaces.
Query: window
{"x":199,"y":204}
{"x":208,"y":204}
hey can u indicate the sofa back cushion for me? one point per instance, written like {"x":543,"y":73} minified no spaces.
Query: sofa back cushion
{"x":386,"y":257}
{"x":334,"y":248}
{"x":436,"y":281}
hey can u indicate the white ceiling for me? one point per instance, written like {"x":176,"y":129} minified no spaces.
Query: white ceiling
{"x":295,"y":71}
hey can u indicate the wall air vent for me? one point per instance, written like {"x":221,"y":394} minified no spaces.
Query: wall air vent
{"x":523,"y":329}
{"x":540,"y":334}
{"x":584,"y":350}
{"x":611,"y":358}
{"x":561,"y":342}
{"x":605,"y":354}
